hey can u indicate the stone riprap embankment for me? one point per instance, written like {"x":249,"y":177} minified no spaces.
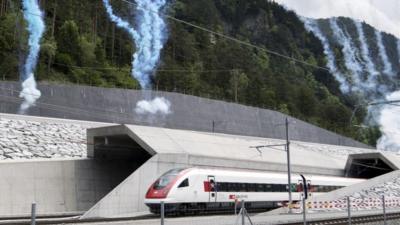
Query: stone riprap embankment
{"x":24,"y":139}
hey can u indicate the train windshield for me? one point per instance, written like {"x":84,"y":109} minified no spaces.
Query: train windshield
{"x":166,"y":178}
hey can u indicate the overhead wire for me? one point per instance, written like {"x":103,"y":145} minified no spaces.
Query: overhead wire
{"x":206,"y":30}
{"x":271,"y":52}
{"x":125,"y":69}
{"x":225,"y":36}
{"x":246,"y":43}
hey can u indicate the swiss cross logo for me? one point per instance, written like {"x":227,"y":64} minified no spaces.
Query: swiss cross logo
{"x":232,"y":196}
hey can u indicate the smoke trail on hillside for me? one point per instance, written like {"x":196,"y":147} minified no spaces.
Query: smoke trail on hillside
{"x":312,"y":26}
{"x":366,"y":56}
{"x":349,"y":53}
{"x":152,"y":35}
{"x":377,"y":87}
{"x":387,"y":65}
{"x":34,"y":16}
{"x":120,"y":22}
{"x":149,"y":37}
{"x":389,"y":121}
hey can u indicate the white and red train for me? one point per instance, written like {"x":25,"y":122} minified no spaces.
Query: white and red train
{"x":200,"y":190}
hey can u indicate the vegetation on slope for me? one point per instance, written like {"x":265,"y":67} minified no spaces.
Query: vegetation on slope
{"x":82,"y":46}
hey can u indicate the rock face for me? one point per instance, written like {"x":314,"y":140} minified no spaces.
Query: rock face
{"x":23,"y":139}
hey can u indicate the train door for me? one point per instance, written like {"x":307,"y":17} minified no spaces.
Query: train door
{"x":213,"y":189}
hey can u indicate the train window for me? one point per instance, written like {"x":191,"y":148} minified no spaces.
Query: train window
{"x":251,"y":187}
{"x":163,"y":182}
{"x":212,"y":185}
{"x":260,"y":188}
{"x":229,"y":186}
{"x":242,"y":187}
{"x":220,"y":186}
{"x":166,"y":178}
{"x":184,"y":183}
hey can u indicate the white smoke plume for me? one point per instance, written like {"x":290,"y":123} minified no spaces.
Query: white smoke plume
{"x":366,"y":55}
{"x":387,"y":65}
{"x":349,"y":52}
{"x":389,"y":121}
{"x":152,"y":35}
{"x":158,"y":105}
{"x":312,"y":26}
{"x":382,"y":14}
{"x":30,"y":93}
{"x":34,"y":16}
{"x":359,"y":62}
{"x":149,"y":37}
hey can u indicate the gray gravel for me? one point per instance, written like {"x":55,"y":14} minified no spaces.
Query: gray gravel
{"x":23,"y":139}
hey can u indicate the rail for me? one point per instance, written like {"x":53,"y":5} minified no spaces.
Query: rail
{"x":354,"y":220}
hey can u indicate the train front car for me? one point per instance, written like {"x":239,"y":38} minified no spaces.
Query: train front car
{"x":160,"y":191}
{"x":196,"y":190}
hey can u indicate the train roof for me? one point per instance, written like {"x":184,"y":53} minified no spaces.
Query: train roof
{"x":257,"y":174}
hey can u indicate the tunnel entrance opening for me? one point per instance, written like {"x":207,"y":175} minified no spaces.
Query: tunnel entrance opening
{"x":120,"y":149}
{"x":116,"y":158}
{"x":368,"y":166}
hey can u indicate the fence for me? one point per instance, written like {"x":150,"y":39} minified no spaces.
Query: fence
{"x":347,"y":209}
{"x":315,"y":210}
{"x":350,"y":205}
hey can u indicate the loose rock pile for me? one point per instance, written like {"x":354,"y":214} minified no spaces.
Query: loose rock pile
{"x":21,"y":139}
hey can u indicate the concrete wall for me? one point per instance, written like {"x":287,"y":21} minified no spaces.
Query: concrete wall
{"x":127,"y":199}
{"x":189,"y":112}
{"x":57,"y":186}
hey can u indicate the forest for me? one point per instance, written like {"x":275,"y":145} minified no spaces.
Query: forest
{"x":82,"y":46}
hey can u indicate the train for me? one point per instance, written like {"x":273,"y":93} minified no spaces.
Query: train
{"x":199,"y":190}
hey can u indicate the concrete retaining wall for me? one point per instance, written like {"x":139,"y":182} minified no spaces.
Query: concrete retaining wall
{"x":189,"y":112}
{"x":57,"y":186}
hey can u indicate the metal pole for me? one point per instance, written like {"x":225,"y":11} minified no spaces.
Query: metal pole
{"x":213,"y":126}
{"x":33,"y":214}
{"x":288,"y":164}
{"x":304,"y":211}
{"x":236,"y":206}
{"x":349,"y":210}
{"x":243,"y":209}
{"x":384,"y":210}
{"x":162,"y":212}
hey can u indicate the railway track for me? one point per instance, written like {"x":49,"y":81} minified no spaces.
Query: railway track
{"x":365,"y":219}
{"x":356,"y":219}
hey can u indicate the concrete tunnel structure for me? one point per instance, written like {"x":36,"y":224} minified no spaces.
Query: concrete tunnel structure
{"x":161,"y":149}
{"x":124,"y":160}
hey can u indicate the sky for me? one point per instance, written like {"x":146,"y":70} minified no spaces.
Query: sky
{"x":382,"y":14}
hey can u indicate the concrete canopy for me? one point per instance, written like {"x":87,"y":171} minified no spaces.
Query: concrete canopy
{"x":155,"y":140}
